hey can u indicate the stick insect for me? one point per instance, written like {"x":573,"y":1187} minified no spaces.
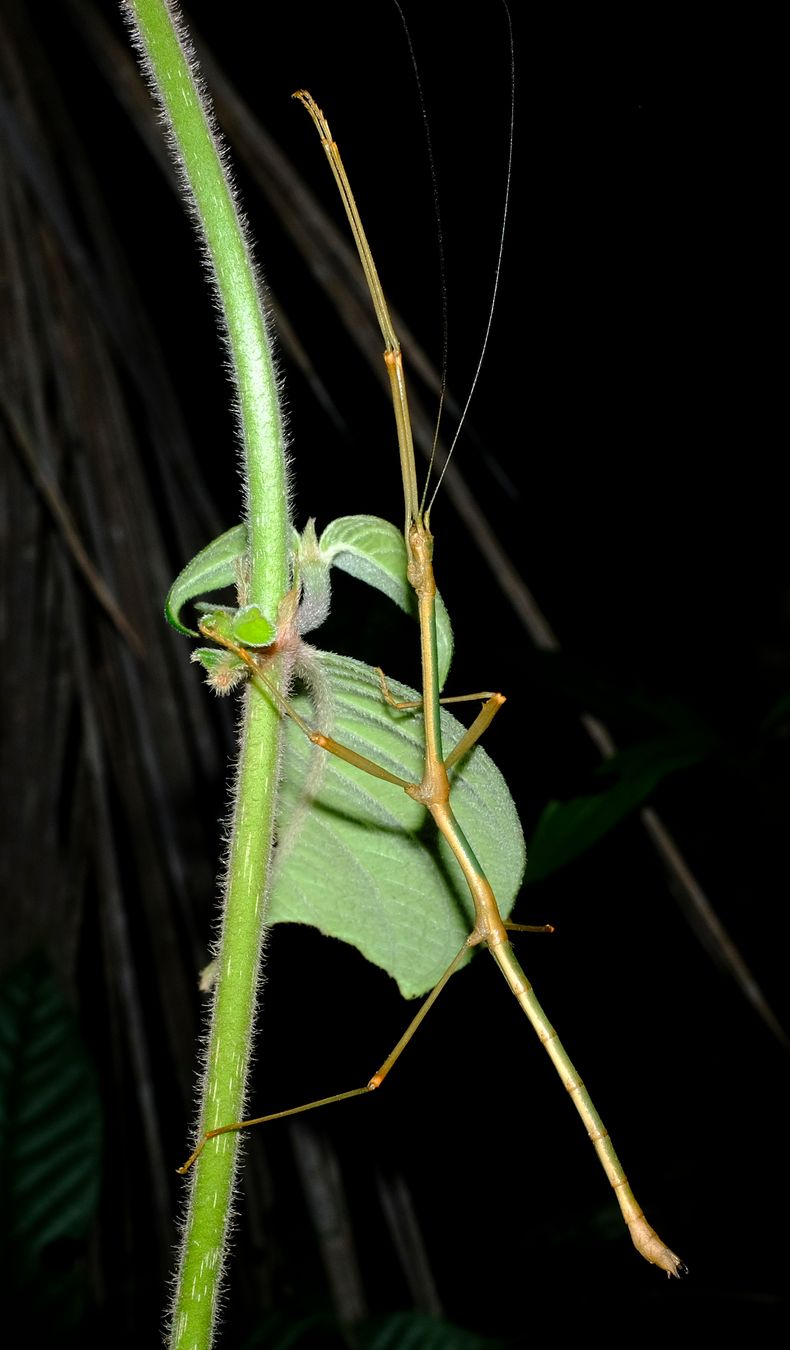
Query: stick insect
{"x":433,"y":789}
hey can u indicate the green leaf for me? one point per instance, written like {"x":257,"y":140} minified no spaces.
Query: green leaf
{"x":778,"y":717}
{"x":366,"y":547}
{"x":215,"y":659}
{"x":408,"y":1330}
{"x":216,"y":621}
{"x":374,"y":551}
{"x":216,"y":566}
{"x":251,"y":627}
{"x":224,"y":670}
{"x":567,"y":829}
{"x":419,"y":1331}
{"x":651,"y":760}
{"x":281,"y":1330}
{"x":50,"y":1118}
{"x":360,"y":860}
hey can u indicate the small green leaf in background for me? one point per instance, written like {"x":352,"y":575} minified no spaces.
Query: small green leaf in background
{"x":419,"y":1331}
{"x":50,"y":1126}
{"x":777,"y":721}
{"x":567,"y":829}
{"x":284,"y":1330}
{"x":408,"y":1330}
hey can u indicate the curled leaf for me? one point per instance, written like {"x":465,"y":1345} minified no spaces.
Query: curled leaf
{"x":214,"y":567}
{"x":374,"y":551}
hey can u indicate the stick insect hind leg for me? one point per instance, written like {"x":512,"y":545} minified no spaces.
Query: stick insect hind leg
{"x":372,"y":1083}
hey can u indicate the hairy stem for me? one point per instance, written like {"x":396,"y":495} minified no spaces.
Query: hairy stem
{"x":170,"y":66}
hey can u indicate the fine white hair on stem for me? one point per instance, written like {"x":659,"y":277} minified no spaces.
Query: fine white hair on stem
{"x":188,"y":197}
{"x":207,"y":188}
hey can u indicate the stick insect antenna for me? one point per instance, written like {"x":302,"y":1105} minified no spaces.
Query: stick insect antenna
{"x":440,"y":248}
{"x":497,"y":270}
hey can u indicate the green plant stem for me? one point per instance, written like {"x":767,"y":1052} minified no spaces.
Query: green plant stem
{"x":171,"y":69}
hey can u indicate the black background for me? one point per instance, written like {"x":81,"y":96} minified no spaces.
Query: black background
{"x":625,"y":444}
